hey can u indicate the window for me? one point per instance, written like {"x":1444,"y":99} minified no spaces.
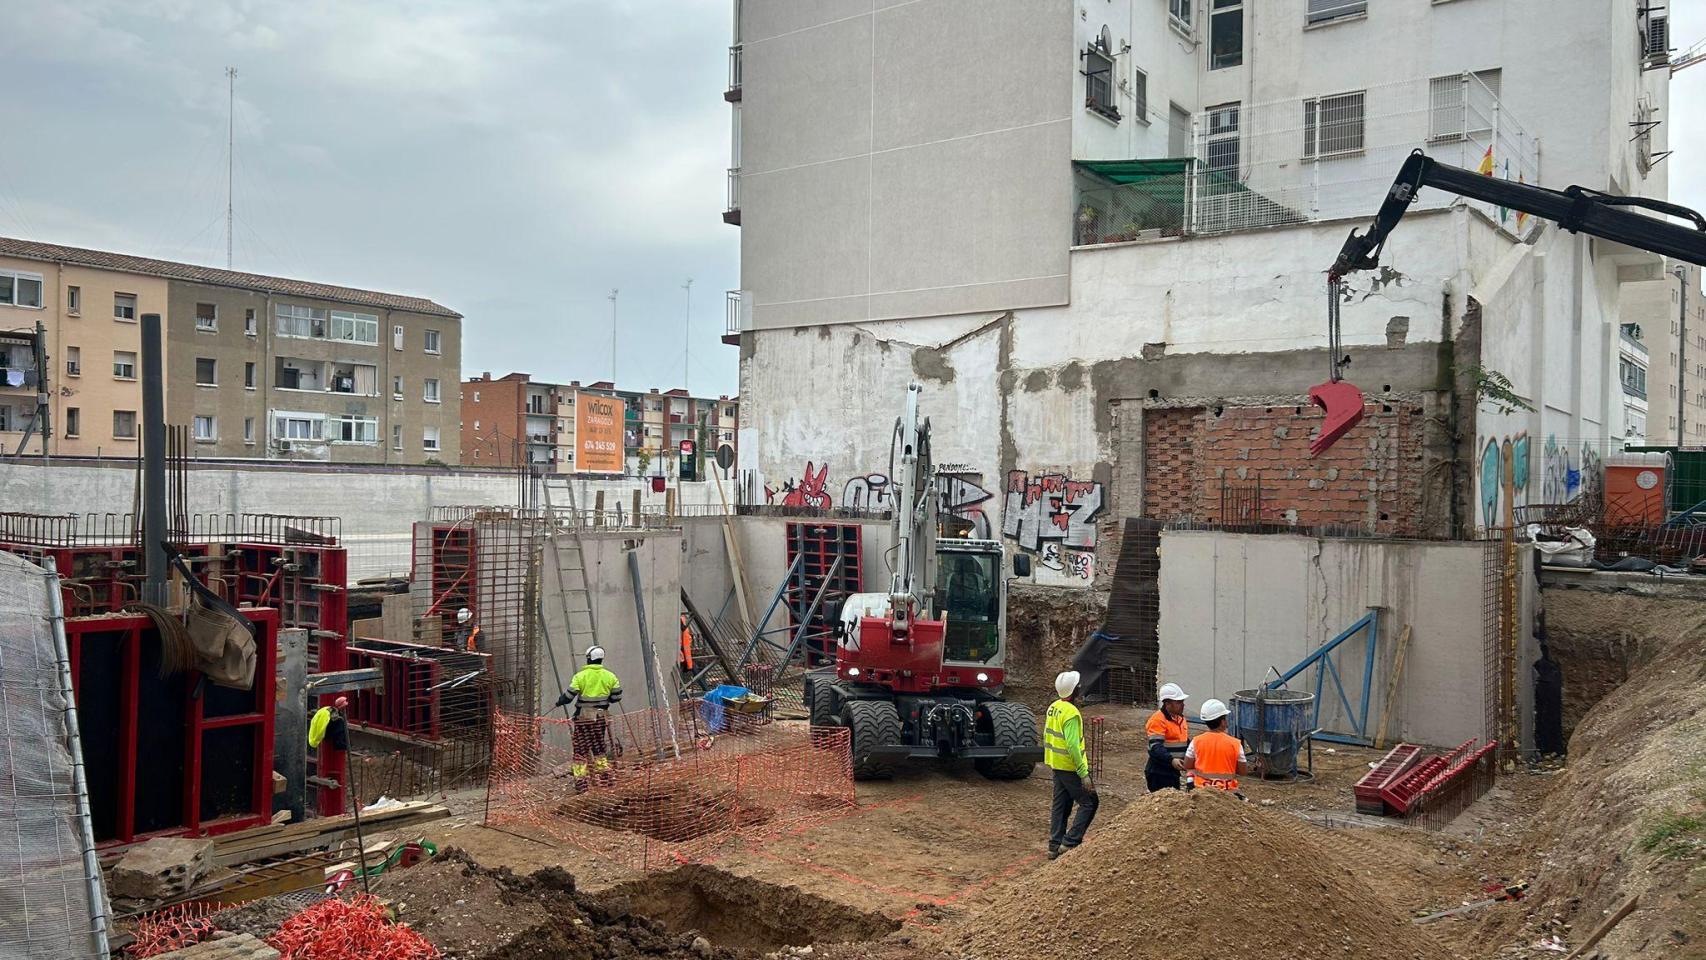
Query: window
{"x":397,"y":339}
{"x":1178,"y":131}
{"x":249,"y":322}
{"x":5,"y":417}
{"x":476,"y":426}
{"x":396,"y":436}
{"x":1321,"y":11}
{"x":1179,"y":14}
{"x":20,"y":289}
{"x":429,"y":438}
{"x":74,"y":300}
{"x":73,"y":422}
{"x":294,"y":321}
{"x":1634,"y":377}
{"x":355,"y":327}
{"x":1223,"y":139}
{"x":1461,"y":105}
{"x":249,"y":430}
{"x":124,"y":307}
{"x":1226,"y":34}
{"x":1333,"y":125}
{"x":206,"y":316}
{"x":352,"y":429}
{"x":73,"y":361}
{"x":206,"y":372}
{"x":430,"y":393}
{"x":1099,"y":79}
{"x":432,"y":341}
{"x":298,"y":426}
{"x":1140,"y":96}
{"x":476,"y":396}
{"x":397,"y":389}
{"x":205,"y":430}
{"x":249,"y":375}
{"x":124,"y":364}
{"x":124,"y":424}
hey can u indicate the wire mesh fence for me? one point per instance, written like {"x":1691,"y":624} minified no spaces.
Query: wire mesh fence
{"x":652,"y":789}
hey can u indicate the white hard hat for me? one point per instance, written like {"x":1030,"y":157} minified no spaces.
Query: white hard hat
{"x":595,"y":653}
{"x":1065,"y":683}
{"x":1213,"y":710}
{"x":464,"y":615}
{"x":1172,"y":691}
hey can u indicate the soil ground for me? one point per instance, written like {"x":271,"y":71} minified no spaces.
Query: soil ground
{"x":938,"y":843}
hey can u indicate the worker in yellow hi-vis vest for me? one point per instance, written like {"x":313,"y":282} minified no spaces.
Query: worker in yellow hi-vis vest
{"x":593,"y":688}
{"x":1063,"y":748}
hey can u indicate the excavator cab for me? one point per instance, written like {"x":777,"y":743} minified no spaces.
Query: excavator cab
{"x":971,"y":596}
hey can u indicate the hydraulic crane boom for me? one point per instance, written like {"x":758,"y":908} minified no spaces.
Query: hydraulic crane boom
{"x":1576,"y":209}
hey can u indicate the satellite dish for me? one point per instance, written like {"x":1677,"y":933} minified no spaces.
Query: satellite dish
{"x":1107,"y":38}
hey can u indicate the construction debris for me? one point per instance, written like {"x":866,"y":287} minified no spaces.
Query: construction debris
{"x":236,"y":946}
{"x":161,"y":869}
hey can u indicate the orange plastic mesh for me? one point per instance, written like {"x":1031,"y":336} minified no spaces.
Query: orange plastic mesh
{"x":655,"y":788}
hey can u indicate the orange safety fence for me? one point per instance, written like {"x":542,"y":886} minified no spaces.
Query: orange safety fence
{"x":651,"y":789}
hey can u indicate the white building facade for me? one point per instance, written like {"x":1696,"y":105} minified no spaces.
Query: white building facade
{"x":1097,"y":232}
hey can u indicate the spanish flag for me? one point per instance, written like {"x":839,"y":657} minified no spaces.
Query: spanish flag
{"x":1486,"y":168}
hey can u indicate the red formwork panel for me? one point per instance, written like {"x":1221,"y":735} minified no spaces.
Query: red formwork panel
{"x":1397,"y":762}
{"x":817,"y":545}
{"x":170,"y":756}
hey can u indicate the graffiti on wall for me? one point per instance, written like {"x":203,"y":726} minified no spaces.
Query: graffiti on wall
{"x":808,"y":491}
{"x":959,"y":496}
{"x":1504,"y":479}
{"x":1054,"y":516}
{"x":1569,"y":471}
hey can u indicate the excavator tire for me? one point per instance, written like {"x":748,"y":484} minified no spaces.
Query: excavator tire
{"x":874,"y":723}
{"x":1012,"y":725}
{"x":822,"y":703}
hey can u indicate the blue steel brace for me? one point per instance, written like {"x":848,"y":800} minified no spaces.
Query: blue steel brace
{"x":1358,"y":715}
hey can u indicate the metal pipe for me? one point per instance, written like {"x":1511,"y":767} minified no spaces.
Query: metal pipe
{"x":74,"y":737}
{"x":154,"y":461}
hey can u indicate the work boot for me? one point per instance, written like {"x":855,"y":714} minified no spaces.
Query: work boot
{"x":1054,"y":853}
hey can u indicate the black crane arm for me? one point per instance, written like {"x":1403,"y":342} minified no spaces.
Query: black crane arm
{"x":1576,"y":209}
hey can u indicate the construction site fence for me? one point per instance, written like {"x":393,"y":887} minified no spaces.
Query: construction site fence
{"x":653,"y":789}
{"x":122,"y":529}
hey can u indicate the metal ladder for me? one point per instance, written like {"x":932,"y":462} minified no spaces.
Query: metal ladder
{"x":576,"y":600}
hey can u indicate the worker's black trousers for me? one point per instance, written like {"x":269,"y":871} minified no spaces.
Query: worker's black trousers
{"x":590,"y":734}
{"x":1069,"y":790}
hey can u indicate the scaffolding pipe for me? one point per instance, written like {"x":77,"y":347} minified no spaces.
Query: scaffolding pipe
{"x":74,"y":737}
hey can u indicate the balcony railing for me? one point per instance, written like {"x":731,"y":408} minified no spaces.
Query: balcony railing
{"x":734,"y":316}
{"x":732,"y":213}
{"x":732,"y":94}
{"x":1305,"y":160}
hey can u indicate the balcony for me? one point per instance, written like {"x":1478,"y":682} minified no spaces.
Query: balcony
{"x":732,"y":94}
{"x":734,"y":317}
{"x":731,"y":214}
{"x":1306,"y":160}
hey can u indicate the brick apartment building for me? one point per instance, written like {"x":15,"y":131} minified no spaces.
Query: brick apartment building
{"x":257,"y":366}
{"x":512,"y":418}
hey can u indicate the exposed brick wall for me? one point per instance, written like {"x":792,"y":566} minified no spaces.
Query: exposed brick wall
{"x":1372,"y":478}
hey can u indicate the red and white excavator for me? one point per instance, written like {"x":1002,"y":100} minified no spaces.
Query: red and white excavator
{"x":918,"y":670}
{"x":1577,"y":209}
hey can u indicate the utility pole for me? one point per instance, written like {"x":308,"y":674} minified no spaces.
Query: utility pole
{"x":230,"y":151}
{"x":41,"y":387}
{"x":153,"y":461}
{"x":687,"y":335}
{"x":613,"y":294}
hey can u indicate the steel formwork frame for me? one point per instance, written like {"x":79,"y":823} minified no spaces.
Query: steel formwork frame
{"x":110,"y":652}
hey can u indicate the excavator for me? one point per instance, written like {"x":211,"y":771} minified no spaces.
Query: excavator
{"x":918,"y":671}
{"x":1576,"y":209}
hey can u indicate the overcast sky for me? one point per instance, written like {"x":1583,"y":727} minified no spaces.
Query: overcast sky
{"x":512,"y":159}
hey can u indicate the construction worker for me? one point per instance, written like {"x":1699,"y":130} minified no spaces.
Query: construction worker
{"x":1169,"y":736}
{"x":468,"y":631}
{"x":686,"y":649}
{"x":593,"y":688}
{"x":1216,"y":758}
{"x":1063,"y":747}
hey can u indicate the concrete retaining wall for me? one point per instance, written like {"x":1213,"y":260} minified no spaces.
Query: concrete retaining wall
{"x":1234,"y":605}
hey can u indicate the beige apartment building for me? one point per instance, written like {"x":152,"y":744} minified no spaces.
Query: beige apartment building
{"x":256,"y":366}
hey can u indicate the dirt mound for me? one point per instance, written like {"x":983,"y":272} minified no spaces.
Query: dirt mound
{"x":1628,"y":814}
{"x":469,"y":911}
{"x":1197,"y":874}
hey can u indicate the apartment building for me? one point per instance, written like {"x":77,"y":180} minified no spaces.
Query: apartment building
{"x":258,"y":367}
{"x":1097,"y":232}
{"x":511,"y":419}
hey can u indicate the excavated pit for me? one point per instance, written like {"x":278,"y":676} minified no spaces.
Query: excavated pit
{"x":675,"y":813}
{"x":741,"y":913}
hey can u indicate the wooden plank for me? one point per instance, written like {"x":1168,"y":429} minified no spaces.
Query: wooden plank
{"x":1392,"y":686}
{"x":1600,"y":931}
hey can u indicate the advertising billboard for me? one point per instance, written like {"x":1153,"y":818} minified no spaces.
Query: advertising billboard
{"x":598,"y":433}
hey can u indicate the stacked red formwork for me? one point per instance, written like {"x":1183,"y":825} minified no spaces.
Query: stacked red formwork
{"x":1398,"y":761}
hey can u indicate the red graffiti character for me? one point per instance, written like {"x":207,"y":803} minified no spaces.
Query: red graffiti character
{"x":810,"y":492}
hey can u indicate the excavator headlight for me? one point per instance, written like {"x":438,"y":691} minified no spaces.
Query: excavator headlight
{"x":852,"y":671}
{"x":983,"y":678}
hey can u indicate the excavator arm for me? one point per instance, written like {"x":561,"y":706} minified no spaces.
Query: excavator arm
{"x":1576,"y":209}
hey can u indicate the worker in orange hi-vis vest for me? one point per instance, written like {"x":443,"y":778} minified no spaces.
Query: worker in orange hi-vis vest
{"x":469,"y":630}
{"x":686,"y":647}
{"x":1215,"y":758}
